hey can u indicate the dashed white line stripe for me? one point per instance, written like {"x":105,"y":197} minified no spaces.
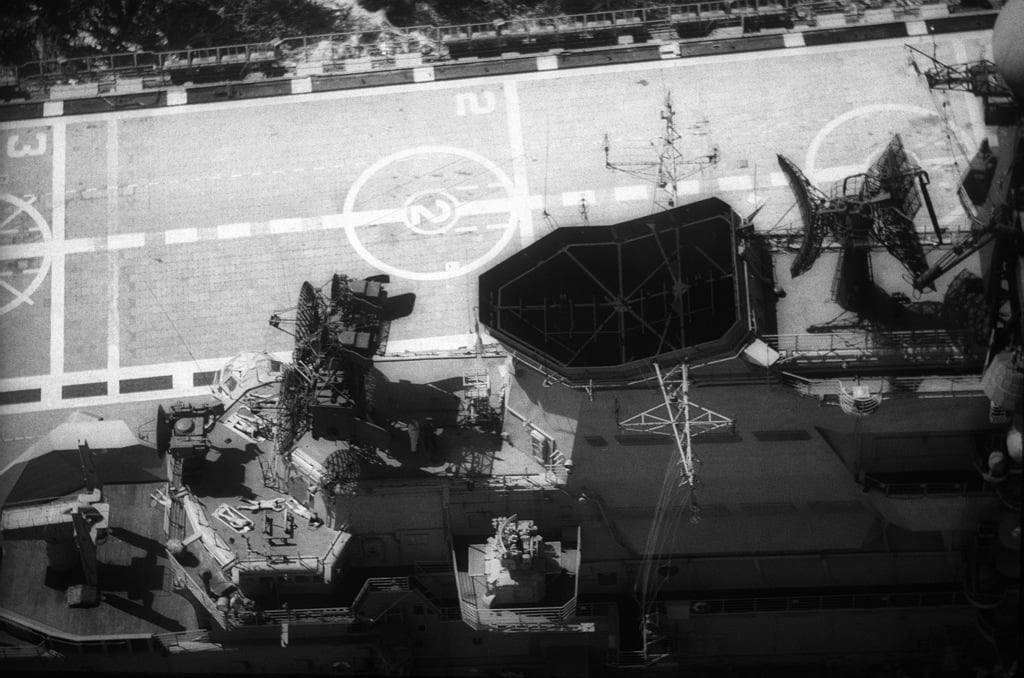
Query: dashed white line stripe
{"x":627,"y":193}
{"x":688,"y":187}
{"x":229,"y":231}
{"x":285,"y":225}
{"x":464,"y":229}
{"x":778,"y":179}
{"x":180,"y":235}
{"x":739,"y":183}
{"x":123,"y":241}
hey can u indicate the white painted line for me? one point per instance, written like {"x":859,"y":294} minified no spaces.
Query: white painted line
{"x":302,"y":85}
{"x":125,"y":241}
{"x":366,"y":218}
{"x":778,"y":179}
{"x":229,"y":231}
{"x":547,"y":62}
{"x":737,"y":183}
{"x":423,"y":74}
{"x":793,"y":40}
{"x":180,"y":235}
{"x":115,"y":241}
{"x":918,"y":28}
{"x":828,"y":175}
{"x":466,"y":187}
{"x":182,"y":372}
{"x":572,"y":198}
{"x":495,"y":227}
{"x":53,"y":108}
{"x":52,"y":248}
{"x":465,"y":229}
{"x":329,"y":221}
{"x":495,"y":206}
{"x":177,"y":97}
{"x":521,"y":189}
{"x":688,"y":187}
{"x":285,"y":225}
{"x":626,"y":193}
{"x":57,"y":229}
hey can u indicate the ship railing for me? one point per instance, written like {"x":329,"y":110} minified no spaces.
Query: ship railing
{"x":550,"y":618}
{"x":55,"y":642}
{"x":372,"y":50}
{"x":184,"y":581}
{"x":23,"y":651}
{"x":97,"y":69}
{"x":380,"y":584}
{"x":218,"y":56}
{"x":279,"y":562}
{"x":556,"y":474}
{"x":175,"y":639}
{"x":912,"y":346}
{"x":382,"y":46}
{"x":914,"y":490}
{"x":805,"y":603}
{"x":960,"y":386}
{"x":317,"y":615}
{"x":627,"y":658}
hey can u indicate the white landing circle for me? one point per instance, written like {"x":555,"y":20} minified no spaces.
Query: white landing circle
{"x":443,"y":186}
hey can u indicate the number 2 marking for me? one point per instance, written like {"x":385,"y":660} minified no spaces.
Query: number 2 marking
{"x":15,"y":149}
{"x":469,"y":102}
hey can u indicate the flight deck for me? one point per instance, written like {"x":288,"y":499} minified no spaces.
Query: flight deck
{"x":142,"y":249}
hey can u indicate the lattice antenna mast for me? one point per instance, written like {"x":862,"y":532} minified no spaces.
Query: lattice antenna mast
{"x":980,"y":78}
{"x":671,"y":165}
{"x":683,"y":438}
{"x":676,"y":416}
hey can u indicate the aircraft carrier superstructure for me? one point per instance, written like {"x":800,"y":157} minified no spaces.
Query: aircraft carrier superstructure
{"x":686,"y":387}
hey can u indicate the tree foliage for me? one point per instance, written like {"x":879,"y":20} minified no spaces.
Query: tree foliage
{"x":42,"y":29}
{"x":441,"y":12}
{"x":47,"y":29}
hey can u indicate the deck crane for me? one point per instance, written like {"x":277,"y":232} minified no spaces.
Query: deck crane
{"x":1000,"y":200}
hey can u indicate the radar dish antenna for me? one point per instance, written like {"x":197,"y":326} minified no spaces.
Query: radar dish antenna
{"x":896,"y":189}
{"x":163,"y":431}
{"x":307,"y":325}
{"x":809,"y":201}
{"x":878,"y":205}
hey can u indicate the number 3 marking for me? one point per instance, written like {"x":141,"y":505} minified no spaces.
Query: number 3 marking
{"x":15,"y":149}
